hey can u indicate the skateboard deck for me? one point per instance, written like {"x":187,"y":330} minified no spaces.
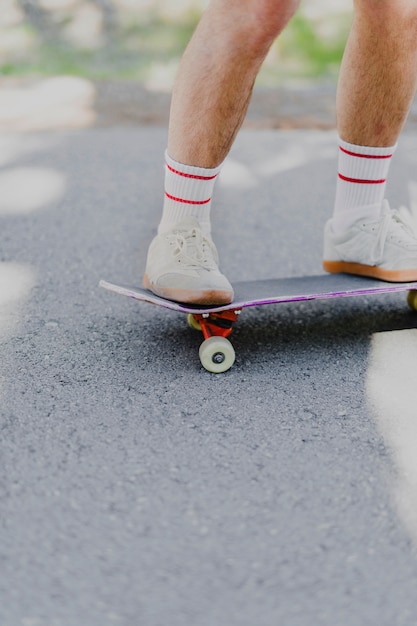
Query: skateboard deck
{"x":216,"y":322}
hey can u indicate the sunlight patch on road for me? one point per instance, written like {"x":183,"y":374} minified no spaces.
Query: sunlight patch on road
{"x":53,"y":103}
{"x":292,"y":158}
{"x":15,"y":146}
{"x":390,"y":386}
{"x":298,"y":154}
{"x":27,"y":189}
{"x":291,"y":153}
{"x":235,"y":174}
{"x":10,"y":149}
{"x":16,"y":282}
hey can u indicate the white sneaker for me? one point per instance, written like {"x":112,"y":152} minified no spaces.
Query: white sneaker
{"x":385,"y":248}
{"x":182,"y":265}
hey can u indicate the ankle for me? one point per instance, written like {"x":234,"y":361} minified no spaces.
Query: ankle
{"x":188,"y":193}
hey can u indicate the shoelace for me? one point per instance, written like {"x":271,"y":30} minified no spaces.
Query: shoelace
{"x":401,"y":227}
{"x":193,"y":248}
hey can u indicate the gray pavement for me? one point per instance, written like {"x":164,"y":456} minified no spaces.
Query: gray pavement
{"x":137,"y":489}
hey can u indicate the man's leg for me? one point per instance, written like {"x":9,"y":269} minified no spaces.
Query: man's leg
{"x":376,"y":87}
{"x":217,"y":74}
{"x":209,"y":102}
{"x":379,"y":72}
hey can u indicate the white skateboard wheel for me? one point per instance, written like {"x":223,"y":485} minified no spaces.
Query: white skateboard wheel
{"x":217,"y":355}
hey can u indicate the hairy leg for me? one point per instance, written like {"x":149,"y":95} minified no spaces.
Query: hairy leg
{"x":216,"y":76}
{"x":379,"y":70}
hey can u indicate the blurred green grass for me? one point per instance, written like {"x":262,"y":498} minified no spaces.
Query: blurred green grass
{"x":143,"y":44}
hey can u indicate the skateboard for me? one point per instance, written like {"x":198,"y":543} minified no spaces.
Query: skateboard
{"x":216,"y":353}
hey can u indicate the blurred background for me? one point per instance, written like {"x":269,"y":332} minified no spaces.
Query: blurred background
{"x":121,"y":57}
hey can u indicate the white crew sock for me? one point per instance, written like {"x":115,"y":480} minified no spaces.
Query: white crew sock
{"x":188,"y":193}
{"x":361,"y":183}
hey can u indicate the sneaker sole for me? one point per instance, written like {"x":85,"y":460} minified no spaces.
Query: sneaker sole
{"x":209,"y":297}
{"x":391,"y":276}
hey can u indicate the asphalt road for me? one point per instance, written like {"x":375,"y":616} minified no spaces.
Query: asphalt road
{"x":136,"y":489}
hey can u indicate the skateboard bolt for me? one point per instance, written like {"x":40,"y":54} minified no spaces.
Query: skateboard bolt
{"x":218,"y":358}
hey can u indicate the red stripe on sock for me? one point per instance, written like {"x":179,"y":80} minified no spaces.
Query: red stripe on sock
{"x":366,"y":156}
{"x":171,"y":169}
{"x":187,"y":201}
{"x":362,"y":181}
